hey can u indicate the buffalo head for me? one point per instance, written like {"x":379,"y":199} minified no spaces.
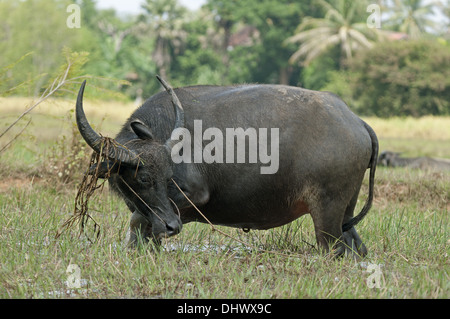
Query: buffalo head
{"x":139,"y":170}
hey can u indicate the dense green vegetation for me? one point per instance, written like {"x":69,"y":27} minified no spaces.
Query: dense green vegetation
{"x":331,"y":45}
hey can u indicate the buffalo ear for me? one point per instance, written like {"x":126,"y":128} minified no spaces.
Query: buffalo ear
{"x":141,"y":130}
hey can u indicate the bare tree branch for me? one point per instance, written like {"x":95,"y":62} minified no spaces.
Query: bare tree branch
{"x":15,"y":137}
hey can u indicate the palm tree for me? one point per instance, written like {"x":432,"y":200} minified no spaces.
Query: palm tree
{"x":165,"y":21}
{"x":344,"y":25}
{"x":413,"y":17}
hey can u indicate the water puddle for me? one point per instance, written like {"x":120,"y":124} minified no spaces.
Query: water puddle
{"x":205,"y":248}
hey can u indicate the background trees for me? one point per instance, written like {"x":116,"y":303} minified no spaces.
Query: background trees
{"x":344,"y":26}
{"x":318,"y":44}
{"x":407,"y":78}
{"x":413,"y":17}
{"x":35,"y":27}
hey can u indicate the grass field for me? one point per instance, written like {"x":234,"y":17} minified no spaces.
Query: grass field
{"x":406,"y":231}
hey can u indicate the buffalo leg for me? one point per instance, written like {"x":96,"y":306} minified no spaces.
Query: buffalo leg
{"x":327,"y":220}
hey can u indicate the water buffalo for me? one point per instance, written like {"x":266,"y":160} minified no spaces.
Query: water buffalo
{"x":392,"y":159}
{"x":323,"y":151}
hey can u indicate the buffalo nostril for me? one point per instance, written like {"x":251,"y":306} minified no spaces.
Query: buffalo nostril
{"x":173,"y":228}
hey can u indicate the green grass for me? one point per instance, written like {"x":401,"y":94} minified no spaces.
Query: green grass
{"x":406,"y":232}
{"x":407,"y":236}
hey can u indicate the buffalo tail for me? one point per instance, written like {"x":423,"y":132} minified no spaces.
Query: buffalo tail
{"x":372,"y":165}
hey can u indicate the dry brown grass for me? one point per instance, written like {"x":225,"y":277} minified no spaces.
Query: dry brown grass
{"x":425,"y":128}
{"x":110,"y":115}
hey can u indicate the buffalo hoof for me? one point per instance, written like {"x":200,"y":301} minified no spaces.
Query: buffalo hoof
{"x":351,"y":245}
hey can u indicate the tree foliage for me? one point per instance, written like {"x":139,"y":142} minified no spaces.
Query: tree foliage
{"x":413,"y":17}
{"x":398,"y":78}
{"x":37,"y":26}
{"x":317,"y":44}
{"x":344,"y":25}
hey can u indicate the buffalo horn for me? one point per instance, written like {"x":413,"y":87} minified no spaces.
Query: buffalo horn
{"x":179,"y":112}
{"x":94,"y":140}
